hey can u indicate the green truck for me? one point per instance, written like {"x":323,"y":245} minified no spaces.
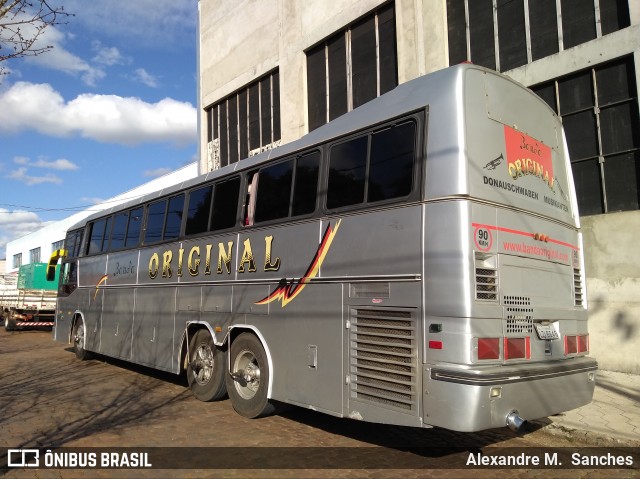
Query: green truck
{"x":29,"y":300}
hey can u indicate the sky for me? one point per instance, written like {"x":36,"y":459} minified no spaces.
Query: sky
{"x":110,"y":107}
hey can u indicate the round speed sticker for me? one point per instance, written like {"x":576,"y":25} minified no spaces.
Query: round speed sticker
{"x":483,"y":239}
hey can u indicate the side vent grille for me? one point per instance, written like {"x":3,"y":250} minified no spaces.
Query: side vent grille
{"x":486,"y":284}
{"x":577,"y":287}
{"x":383,"y":359}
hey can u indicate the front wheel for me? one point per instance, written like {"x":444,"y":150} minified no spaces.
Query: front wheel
{"x":78,"y":338}
{"x":206,"y":368}
{"x":249,"y":379}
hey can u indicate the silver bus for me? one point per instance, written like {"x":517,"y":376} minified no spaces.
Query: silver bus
{"x":417,"y":261}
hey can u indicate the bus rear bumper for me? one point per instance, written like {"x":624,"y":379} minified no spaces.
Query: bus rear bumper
{"x":484,"y":398}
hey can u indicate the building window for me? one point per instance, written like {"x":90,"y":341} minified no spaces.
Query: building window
{"x":17,"y":260}
{"x":599,"y":110}
{"x":34,"y":255}
{"x":506,"y":34}
{"x":57,"y":245}
{"x":352,"y":67}
{"x":245,"y":122}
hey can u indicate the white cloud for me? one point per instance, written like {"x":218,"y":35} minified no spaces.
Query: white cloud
{"x":141,"y":75}
{"x":105,"y":118}
{"x":60,"y":164}
{"x":15,"y":224}
{"x":21,"y":175}
{"x":60,"y":59}
{"x":157,"y":172}
{"x":147,"y":22}
{"x":108,"y":56}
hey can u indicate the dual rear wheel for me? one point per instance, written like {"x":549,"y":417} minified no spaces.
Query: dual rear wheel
{"x":246,"y":385}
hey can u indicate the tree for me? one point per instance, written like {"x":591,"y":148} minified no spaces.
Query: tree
{"x":22,"y":23}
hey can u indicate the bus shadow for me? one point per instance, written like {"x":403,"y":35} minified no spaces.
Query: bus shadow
{"x":429,"y":442}
{"x":176,"y":379}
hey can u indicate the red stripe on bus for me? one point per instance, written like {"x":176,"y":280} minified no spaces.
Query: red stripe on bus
{"x":522,"y":233}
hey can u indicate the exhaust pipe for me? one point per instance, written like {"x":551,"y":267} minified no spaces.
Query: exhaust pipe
{"x":514,"y":421}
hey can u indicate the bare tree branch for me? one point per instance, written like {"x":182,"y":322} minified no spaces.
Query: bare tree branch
{"x":22,"y":24}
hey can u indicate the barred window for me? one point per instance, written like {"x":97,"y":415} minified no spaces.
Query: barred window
{"x":506,"y":34}
{"x":245,"y":122}
{"x":352,"y":67}
{"x":17,"y":260}
{"x":599,"y":110}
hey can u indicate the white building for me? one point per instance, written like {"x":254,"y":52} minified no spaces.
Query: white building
{"x":272,"y":70}
{"x":38,"y":246}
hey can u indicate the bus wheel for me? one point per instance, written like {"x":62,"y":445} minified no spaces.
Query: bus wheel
{"x":205,"y":371}
{"x":249,"y":379}
{"x":78,"y":337}
{"x":10,"y":323}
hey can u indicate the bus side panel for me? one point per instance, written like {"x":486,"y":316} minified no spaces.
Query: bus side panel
{"x":92,"y":275}
{"x":305,"y":339}
{"x":378,"y":254}
{"x":154,"y":326}
{"x":117,"y":321}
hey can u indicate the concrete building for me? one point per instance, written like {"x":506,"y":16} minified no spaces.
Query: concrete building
{"x":272,"y":70}
{"x":38,"y":246}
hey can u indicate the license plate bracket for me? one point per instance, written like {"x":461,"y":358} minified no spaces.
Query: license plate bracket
{"x":546,"y":331}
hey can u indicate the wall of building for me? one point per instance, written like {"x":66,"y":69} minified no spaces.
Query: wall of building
{"x":243,"y":40}
{"x":44,"y":237}
{"x":613,"y":288}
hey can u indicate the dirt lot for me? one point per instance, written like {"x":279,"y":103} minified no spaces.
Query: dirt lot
{"x":49,"y":399}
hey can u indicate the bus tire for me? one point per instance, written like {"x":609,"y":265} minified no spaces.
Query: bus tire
{"x":249,"y":379}
{"x":78,"y":337}
{"x":10,"y":323}
{"x":206,"y":367}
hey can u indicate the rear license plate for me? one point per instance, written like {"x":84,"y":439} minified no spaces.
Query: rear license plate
{"x":546,"y":331}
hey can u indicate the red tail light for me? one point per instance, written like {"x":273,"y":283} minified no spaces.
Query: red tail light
{"x":583,"y":343}
{"x":488,"y":348}
{"x":576,"y":344}
{"x":517,"y":348}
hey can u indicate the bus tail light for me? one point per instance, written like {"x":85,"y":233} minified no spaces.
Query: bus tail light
{"x":488,"y":348}
{"x":583,"y":343}
{"x":517,"y":348}
{"x":576,"y":344}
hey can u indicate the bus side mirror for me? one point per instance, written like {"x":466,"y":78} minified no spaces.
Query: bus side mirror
{"x":53,"y":261}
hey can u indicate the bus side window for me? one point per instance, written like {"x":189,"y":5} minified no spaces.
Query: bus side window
{"x":119,"y":231}
{"x":274,"y":194}
{"x":68,"y":278}
{"x":391,"y":162}
{"x":305,"y":189}
{"x":199,"y":210}
{"x":224,"y":213}
{"x":175,"y":212}
{"x":155,"y":221}
{"x":99,"y":236}
{"x":134,"y":227}
{"x":250,"y":199}
{"x":347,"y":169}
